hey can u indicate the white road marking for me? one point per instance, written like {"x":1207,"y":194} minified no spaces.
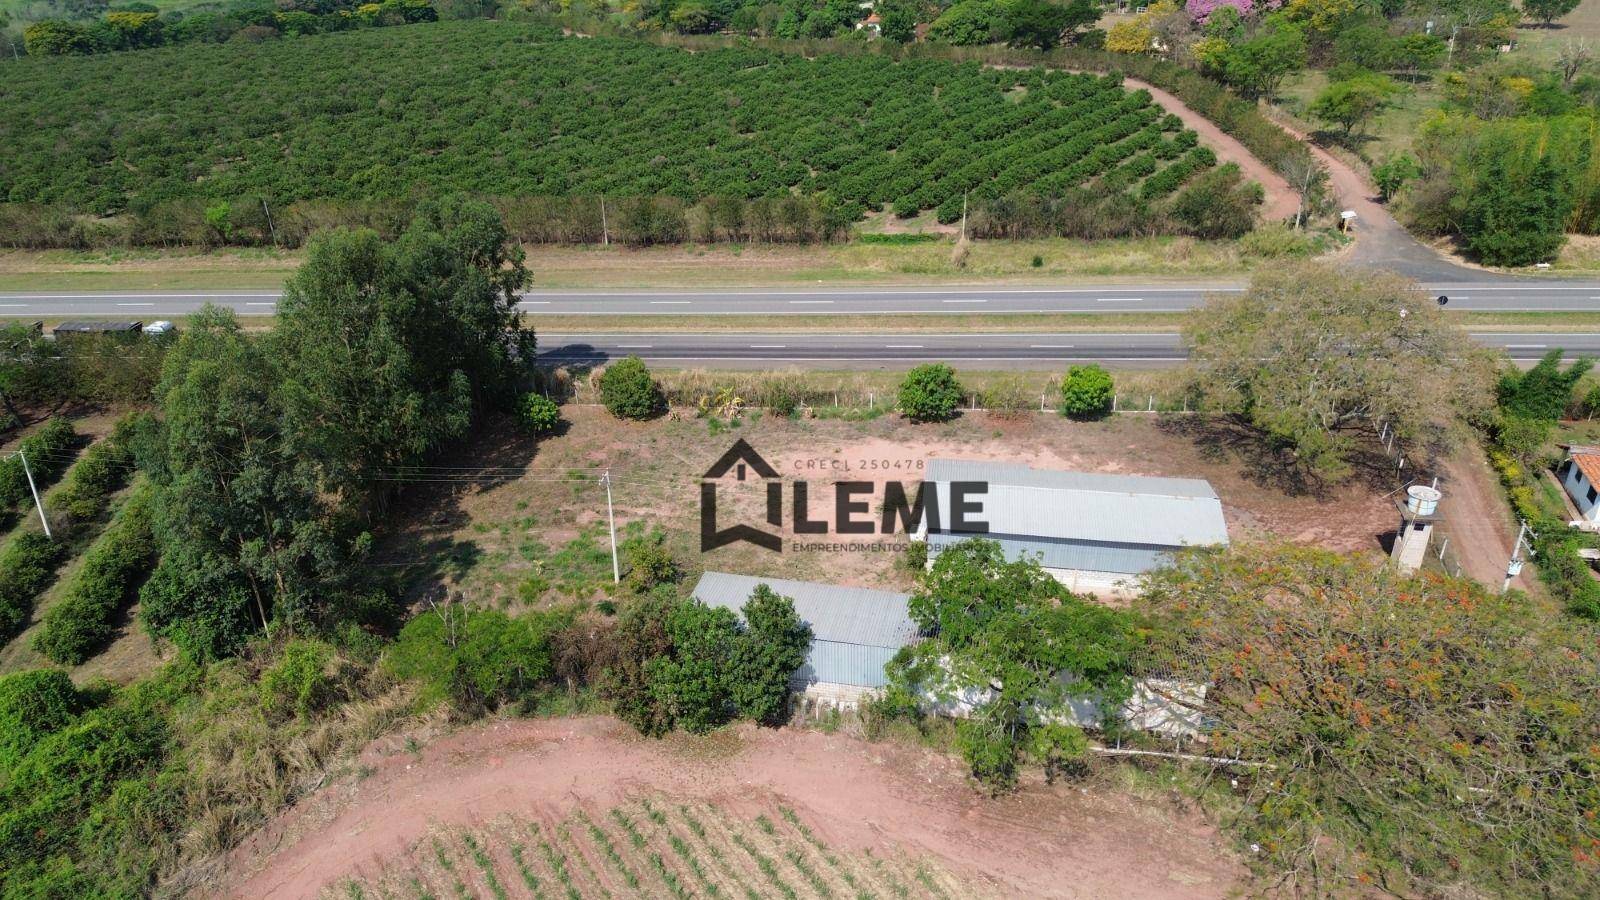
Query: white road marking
{"x":1119,"y":300}
{"x":670,"y":302}
{"x":1049,"y":346}
{"x":14,"y":305}
{"x":136,"y":304}
{"x":810,"y":301}
{"x":1526,"y":346}
{"x":534,"y":303}
{"x":767,"y":346}
{"x":634,"y":346}
{"x":262,"y":303}
{"x":966,"y":301}
{"x":903,"y":346}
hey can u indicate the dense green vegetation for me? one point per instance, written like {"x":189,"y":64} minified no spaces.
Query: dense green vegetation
{"x":45,"y":454}
{"x":681,"y":664}
{"x":930,"y":393}
{"x":1012,"y":642}
{"x":1399,"y":362}
{"x":1529,"y":405}
{"x":82,"y":621}
{"x":1425,"y":735}
{"x":206,"y":142}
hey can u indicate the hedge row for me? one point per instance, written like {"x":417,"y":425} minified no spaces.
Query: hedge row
{"x":101,"y":472}
{"x":49,"y":452}
{"x":83,"y":620}
{"x":27,"y":566}
{"x":1555,"y":549}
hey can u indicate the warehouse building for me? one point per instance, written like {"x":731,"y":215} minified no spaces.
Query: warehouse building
{"x":1094,"y":533}
{"x":854,"y":631}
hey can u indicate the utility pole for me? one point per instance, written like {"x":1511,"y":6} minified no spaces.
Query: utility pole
{"x":36,"y":501}
{"x":611,"y":520}
{"x":605,"y":233}
{"x":963,"y":215}
{"x":1514,"y":565}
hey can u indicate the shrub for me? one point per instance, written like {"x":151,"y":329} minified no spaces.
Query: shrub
{"x":475,"y":659}
{"x":27,"y":566}
{"x":629,"y":392}
{"x":83,"y":620}
{"x":103,"y":470}
{"x":48,"y":452}
{"x":916,"y":556}
{"x":650,"y":565}
{"x":33,"y":704}
{"x":1274,"y":240}
{"x":930,"y":393}
{"x":538,"y":413}
{"x":1008,"y":394}
{"x":298,"y":683}
{"x":1086,"y":392}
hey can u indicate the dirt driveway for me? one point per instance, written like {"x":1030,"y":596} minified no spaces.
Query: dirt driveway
{"x":1281,"y":201}
{"x":1061,"y":841}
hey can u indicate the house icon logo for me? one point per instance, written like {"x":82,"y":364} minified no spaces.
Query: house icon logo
{"x":741,"y":459}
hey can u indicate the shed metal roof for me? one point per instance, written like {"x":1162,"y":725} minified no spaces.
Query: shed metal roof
{"x":1086,"y":506}
{"x":848,"y":615}
{"x":1079,"y":556}
{"x":854,"y":631}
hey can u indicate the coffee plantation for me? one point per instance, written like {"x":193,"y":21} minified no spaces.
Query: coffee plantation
{"x":368,"y":120}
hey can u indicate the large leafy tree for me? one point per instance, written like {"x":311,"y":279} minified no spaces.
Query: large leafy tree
{"x":1545,"y":12}
{"x":1041,"y":24}
{"x":1010,"y":642}
{"x":247,"y":535}
{"x":1311,"y":353}
{"x":389,"y":347}
{"x":1352,"y":102}
{"x":1512,"y":217}
{"x":1424,"y":735}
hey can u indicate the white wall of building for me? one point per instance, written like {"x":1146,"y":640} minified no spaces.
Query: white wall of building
{"x":1583,"y":493}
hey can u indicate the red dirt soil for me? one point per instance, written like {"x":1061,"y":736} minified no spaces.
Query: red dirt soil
{"x":1060,"y":841}
{"x":1281,"y":201}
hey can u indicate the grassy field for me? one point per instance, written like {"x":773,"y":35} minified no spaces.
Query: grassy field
{"x":707,"y":266}
{"x":647,"y":848}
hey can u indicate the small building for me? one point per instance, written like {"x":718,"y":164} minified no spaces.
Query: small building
{"x":1093,"y":532}
{"x":1580,"y":476}
{"x":854,"y":631}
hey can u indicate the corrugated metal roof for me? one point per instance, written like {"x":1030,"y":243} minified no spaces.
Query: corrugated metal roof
{"x":1086,"y":506}
{"x":1082,"y":556}
{"x":855,"y":631}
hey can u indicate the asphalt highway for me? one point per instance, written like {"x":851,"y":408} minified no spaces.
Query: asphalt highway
{"x":1522,"y":295}
{"x":822,"y":351}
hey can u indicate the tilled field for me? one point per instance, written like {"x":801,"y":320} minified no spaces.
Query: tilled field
{"x":647,"y":848}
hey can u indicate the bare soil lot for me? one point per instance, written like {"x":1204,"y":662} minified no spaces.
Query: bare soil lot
{"x":520,"y":522}
{"x":881,"y":809}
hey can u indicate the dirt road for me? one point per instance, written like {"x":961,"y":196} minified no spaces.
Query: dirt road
{"x":1479,"y":523}
{"x":1281,"y":201}
{"x":1061,"y":841}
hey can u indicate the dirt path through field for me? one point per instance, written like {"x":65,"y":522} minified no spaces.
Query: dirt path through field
{"x":1479,"y":523}
{"x":1281,"y":201}
{"x":1062,"y":841}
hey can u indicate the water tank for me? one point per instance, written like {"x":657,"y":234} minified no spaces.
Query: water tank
{"x":1422,"y":500}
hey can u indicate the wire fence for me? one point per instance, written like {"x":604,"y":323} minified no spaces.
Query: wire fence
{"x":811,"y":400}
